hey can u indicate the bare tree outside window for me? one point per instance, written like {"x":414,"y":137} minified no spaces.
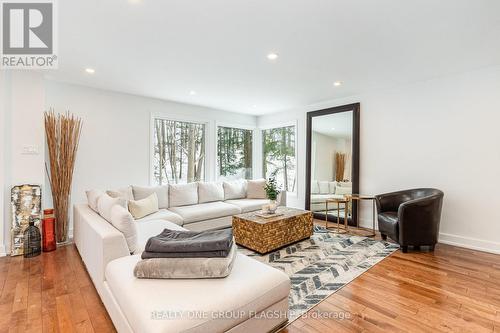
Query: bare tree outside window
{"x":278,"y":147}
{"x":234,"y":153}
{"x":179,"y":152}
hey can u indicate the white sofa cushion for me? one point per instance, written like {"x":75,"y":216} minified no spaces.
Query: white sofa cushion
{"x":123,"y":193}
{"x":324,"y":187}
{"x":344,"y":184}
{"x":235,"y":190}
{"x":142,"y":192}
{"x":183,"y":194}
{"x":122,"y":220}
{"x":205,"y":211}
{"x":105,"y":203}
{"x":212,"y":224}
{"x":150,"y":228}
{"x":343,"y":190}
{"x":321,"y":198}
{"x":251,"y":287}
{"x":248,"y":205}
{"x":255,"y":189}
{"x":314,"y":187}
{"x":162,"y":214}
{"x":333,"y":185}
{"x":210,"y":191}
{"x":92,"y":198}
{"x":143,"y":207}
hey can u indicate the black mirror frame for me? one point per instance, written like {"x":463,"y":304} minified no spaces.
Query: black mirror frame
{"x":355,"y":108}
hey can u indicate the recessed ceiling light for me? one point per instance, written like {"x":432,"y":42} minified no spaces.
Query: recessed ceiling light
{"x":333,"y":128}
{"x":272,"y":56}
{"x":134,"y":1}
{"x":192,"y":92}
{"x":90,"y":70}
{"x":337,"y":83}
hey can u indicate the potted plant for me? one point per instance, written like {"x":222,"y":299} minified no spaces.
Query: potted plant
{"x":272,"y":193}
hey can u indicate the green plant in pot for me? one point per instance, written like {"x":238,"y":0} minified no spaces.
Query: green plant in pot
{"x":272,"y":193}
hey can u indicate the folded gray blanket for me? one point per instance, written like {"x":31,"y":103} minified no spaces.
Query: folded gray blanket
{"x":198,"y":254}
{"x":179,"y":244}
{"x":186,"y":268}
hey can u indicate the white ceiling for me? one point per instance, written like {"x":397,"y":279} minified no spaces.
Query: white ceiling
{"x":218,"y":48}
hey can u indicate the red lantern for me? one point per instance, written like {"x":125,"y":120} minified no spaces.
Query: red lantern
{"x":48,"y":231}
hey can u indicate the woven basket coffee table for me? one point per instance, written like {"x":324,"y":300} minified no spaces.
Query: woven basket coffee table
{"x":267,"y":234}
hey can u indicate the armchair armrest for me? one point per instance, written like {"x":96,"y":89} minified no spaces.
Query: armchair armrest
{"x":419,"y":220}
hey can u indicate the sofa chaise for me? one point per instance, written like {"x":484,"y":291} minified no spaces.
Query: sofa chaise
{"x":254,"y":297}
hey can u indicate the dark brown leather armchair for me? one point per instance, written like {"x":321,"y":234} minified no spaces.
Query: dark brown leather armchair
{"x":410,"y":217}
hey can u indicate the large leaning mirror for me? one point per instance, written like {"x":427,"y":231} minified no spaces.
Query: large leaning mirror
{"x":333,"y":163}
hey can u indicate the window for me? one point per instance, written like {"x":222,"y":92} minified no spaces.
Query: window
{"x":278,"y":146}
{"x":234,"y":153}
{"x":179,"y":152}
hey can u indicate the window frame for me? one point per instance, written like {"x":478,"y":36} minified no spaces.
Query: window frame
{"x":254,"y":130}
{"x":180,"y":118}
{"x":274,"y":125}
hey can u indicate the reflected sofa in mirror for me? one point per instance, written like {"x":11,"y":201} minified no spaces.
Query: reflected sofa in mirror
{"x":332,"y":161}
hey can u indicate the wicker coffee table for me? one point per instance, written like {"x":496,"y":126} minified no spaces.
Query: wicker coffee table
{"x":267,"y":234}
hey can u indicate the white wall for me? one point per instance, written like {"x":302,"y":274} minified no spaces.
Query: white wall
{"x":22,"y":102}
{"x":439,"y":133}
{"x":323,"y":157}
{"x":114,"y":148}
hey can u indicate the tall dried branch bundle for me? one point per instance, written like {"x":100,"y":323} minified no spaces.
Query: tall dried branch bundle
{"x":339,"y":166}
{"x":63,"y":135}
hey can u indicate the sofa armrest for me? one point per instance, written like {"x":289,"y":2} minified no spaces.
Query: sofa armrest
{"x":97,"y":241}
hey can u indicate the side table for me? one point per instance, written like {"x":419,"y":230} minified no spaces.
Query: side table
{"x":359,"y":198}
{"x":344,"y":201}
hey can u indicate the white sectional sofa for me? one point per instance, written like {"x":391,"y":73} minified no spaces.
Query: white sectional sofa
{"x":253,"y":298}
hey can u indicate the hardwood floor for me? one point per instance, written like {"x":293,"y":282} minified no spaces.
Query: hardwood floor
{"x":452,"y":289}
{"x":50,"y":293}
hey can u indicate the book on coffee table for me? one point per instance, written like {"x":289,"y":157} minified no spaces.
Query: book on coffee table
{"x":268,"y":215}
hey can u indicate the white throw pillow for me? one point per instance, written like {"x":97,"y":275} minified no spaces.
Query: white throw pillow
{"x":143,"y":207}
{"x":314,"y":187}
{"x":344,"y":184}
{"x":142,"y":192}
{"x":210,"y":191}
{"x":343,"y":190}
{"x":122,"y":220}
{"x":105,"y":203}
{"x":124,"y":193}
{"x":255,"y":189}
{"x":235,"y":190}
{"x":92,"y":198}
{"x":324,"y":187}
{"x":183,"y":194}
{"x":333,"y":185}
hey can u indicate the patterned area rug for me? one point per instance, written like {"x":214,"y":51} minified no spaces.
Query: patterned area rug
{"x":323,"y":264}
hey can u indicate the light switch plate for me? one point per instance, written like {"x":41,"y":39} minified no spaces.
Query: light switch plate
{"x":30,"y":150}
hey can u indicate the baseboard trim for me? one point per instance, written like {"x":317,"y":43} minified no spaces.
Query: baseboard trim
{"x":470,"y":243}
{"x":3,"y":251}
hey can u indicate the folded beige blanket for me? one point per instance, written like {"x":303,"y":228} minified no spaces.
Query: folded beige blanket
{"x":186,"y":268}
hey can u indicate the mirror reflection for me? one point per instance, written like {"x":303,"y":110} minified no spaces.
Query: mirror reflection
{"x":331,"y":162}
